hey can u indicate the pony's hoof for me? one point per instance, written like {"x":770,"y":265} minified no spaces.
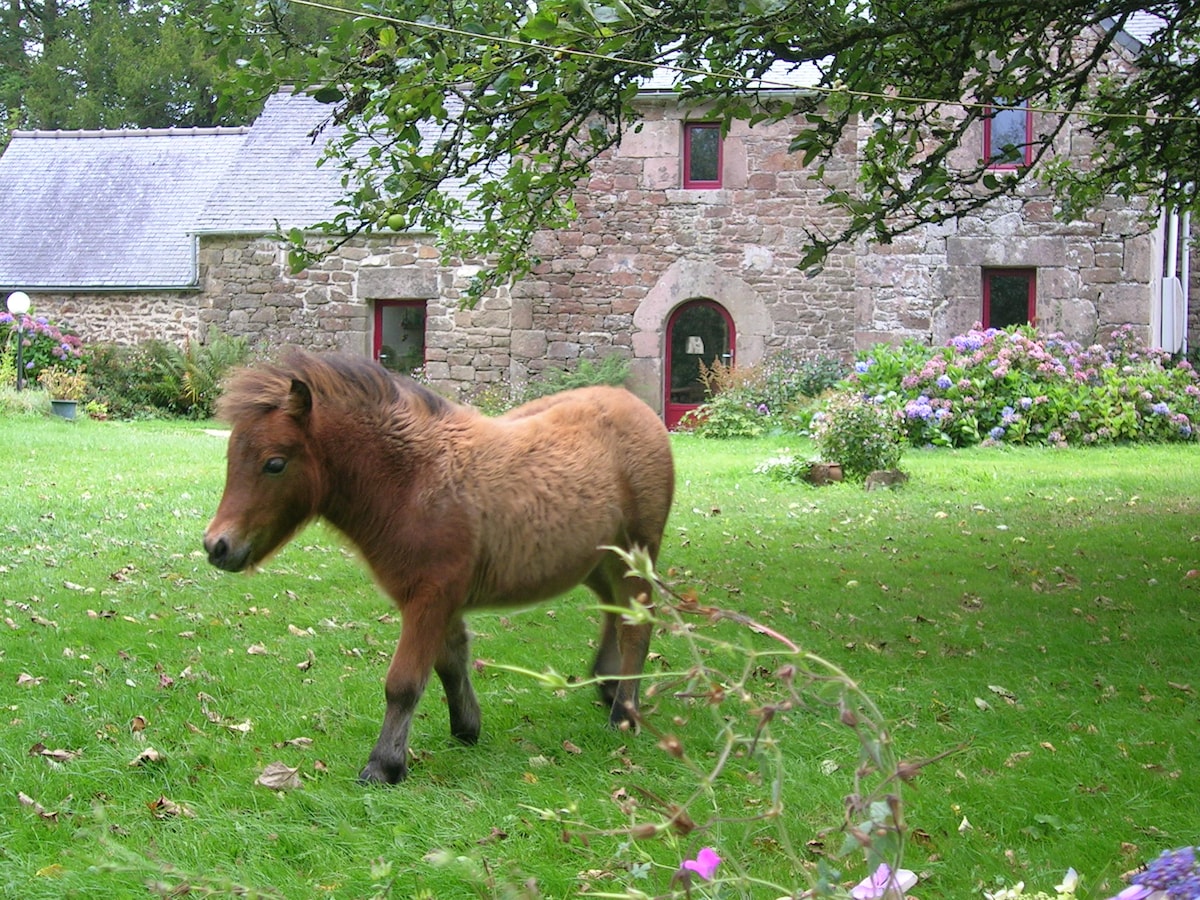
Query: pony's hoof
{"x":377,"y":772}
{"x":468,"y":736}
{"x":623,"y":717}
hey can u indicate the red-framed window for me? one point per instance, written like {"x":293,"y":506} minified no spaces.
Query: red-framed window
{"x":1009,"y":297}
{"x":399,"y":339}
{"x":702,"y":155}
{"x":1008,"y":136}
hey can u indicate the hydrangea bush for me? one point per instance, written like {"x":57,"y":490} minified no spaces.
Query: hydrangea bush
{"x":1020,"y":387}
{"x":44,"y":345}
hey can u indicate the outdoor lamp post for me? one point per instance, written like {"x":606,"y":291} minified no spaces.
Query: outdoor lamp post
{"x":18,"y":305}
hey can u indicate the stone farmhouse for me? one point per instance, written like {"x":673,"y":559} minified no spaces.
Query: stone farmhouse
{"x":685,"y":250}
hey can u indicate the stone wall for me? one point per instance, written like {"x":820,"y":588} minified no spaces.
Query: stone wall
{"x":642,"y":245}
{"x":248,"y":290}
{"x":125,"y":318}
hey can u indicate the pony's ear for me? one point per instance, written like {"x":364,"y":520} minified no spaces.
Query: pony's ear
{"x":299,"y":402}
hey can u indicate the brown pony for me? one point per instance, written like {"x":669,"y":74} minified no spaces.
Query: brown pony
{"x":452,"y":511}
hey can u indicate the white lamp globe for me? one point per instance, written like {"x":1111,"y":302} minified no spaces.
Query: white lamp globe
{"x":18,"y":303}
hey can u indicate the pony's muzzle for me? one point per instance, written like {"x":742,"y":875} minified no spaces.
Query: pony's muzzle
{"x":223,"y":554}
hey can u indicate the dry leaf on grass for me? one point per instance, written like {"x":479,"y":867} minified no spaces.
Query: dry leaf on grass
{"x":166,"y":808}
{"x":59,"y":756}
{"x":279,"y":777}
{"x":149,"y":755}
{"x":35,"y":807}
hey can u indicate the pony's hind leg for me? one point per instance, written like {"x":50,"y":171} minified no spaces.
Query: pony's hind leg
{"x":608,"y":656}
{"x":623,"y":644}
{"x":454,"y":669}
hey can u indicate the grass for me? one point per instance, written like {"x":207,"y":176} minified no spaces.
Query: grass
{"x":1033,"y":611}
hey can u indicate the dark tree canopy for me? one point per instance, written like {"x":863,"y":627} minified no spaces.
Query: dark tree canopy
{"x":528,"y":93}
{"x":124,"y":64}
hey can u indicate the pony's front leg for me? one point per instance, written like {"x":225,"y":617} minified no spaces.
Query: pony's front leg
{"x":422,"y":635}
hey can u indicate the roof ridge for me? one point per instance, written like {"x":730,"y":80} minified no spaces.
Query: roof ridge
{"x":58,"y":134}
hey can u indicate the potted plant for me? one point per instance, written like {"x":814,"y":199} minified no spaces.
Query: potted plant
{"x":66,"y":389}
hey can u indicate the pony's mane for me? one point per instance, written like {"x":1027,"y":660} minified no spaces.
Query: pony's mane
{"x":349,"y":383}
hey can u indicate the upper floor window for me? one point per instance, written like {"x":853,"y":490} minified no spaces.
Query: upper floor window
{"x":701,"y":155}
{"x":1009,"y":297}
{"x":1008,"y":136}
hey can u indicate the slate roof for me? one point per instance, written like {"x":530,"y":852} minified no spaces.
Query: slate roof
{"x":114,"y":210}
{"x":274,"y":176}
{"x":106,"y":209}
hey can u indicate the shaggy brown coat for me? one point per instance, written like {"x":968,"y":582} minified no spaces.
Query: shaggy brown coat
{"x":452,"y":511}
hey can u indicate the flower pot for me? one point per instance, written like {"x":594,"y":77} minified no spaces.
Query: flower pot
{"x":64,"y":409}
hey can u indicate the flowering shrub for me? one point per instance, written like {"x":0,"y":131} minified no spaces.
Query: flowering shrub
{"x":43,"y":345}
{"x":859,"y":433}
{"x":750,"y":401}
{"x":1175,"y":875}
{"x":1017,"y":386}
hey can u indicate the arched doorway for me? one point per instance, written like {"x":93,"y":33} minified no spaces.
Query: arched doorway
{"x":698,"y":331}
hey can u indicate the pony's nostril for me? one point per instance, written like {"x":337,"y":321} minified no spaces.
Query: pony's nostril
{"x":217,"y":550}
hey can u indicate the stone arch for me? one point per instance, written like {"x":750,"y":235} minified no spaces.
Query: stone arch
{"x":684,"y":280}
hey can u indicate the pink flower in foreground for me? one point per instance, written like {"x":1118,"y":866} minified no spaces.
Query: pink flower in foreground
{"x":705,"y":863}
{"x":884,"y":884}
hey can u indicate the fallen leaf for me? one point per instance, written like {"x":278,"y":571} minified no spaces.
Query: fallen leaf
{"x":165,"y":808}
{"x":571,"y":748}
{"x":1014,"y":758}
{"x":257,"y":650}
{"x":59,"y":756}
{"x":35,"y":807}
{"x":279,"y":777}
{"x":1003,"y":692}
{"x":307,"y":663}
{"x":54,"y":870}
{"x":27,"y":680}
{"x":149,"y":755}
{"x":982,"y":704}
{"x":300,"y":632}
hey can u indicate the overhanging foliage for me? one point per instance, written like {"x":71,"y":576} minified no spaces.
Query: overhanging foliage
{"x":527,"y":96}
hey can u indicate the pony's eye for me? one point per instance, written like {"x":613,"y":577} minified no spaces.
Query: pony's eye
{"x":275,"y":465}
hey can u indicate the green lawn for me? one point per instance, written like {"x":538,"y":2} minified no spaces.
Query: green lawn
{"x":1033,"y":611}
